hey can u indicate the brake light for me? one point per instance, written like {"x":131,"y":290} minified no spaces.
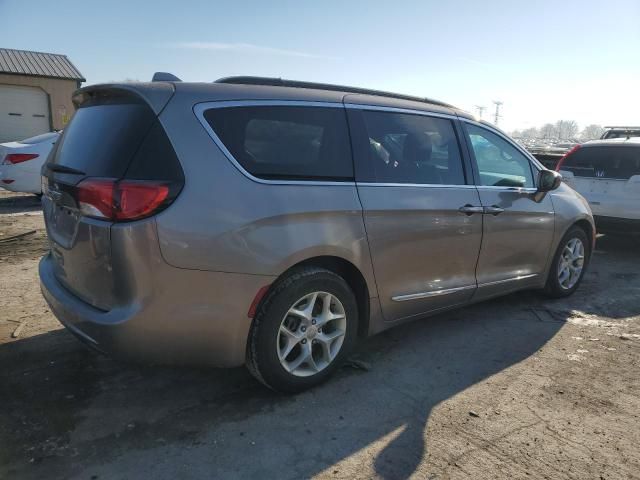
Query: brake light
{"x":564,"y":157}
{"x":122,"y":200}
{"x":20,"y":157}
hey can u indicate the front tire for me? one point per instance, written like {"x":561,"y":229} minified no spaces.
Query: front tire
{"x":569,"y":264}
{"x":304,"y":329}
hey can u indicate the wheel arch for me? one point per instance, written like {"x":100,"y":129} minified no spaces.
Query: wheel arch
{"x":350,"y":273}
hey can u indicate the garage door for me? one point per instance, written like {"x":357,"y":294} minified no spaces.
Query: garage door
{"x":24,"y":112}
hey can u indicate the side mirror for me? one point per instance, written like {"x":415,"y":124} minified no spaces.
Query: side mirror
{"x":548,"y":180}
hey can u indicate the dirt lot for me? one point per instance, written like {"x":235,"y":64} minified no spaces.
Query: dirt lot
{"x":520,"y":387}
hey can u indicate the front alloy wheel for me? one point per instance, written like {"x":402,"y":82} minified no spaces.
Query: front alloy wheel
{"x":571,"y":263}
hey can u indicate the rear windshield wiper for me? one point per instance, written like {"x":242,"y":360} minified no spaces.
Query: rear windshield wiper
{"x":54,"y":167}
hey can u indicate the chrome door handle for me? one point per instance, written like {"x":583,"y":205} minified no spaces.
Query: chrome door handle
{"x":493,"y":210}
{"x":469,"y":209}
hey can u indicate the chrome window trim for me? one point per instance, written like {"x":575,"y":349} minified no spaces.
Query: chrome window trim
{"x":200,"y":108}
{"x":447,"y":291}
{"x":410,"y":111}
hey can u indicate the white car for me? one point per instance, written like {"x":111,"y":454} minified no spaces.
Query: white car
{"x":607,"y":174}
{"x":20,"y":162}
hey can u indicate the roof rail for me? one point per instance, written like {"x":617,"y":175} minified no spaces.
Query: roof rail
{"x":165,"y":77}
{"x":625,"y":126}
{"x":281,"y":82}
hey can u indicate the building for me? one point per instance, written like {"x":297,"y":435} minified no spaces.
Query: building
{"x":35,"y":92}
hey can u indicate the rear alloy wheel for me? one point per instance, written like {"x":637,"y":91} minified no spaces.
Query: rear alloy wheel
{"x":311,"y":334}
{"x":569,"y":264}
{"x":303,"y":330}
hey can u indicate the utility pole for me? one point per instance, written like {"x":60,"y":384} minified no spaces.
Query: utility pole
{"x":480,"y":110}
{"x":497,"y":115}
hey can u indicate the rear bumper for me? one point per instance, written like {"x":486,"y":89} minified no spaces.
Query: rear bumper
{"x":199,"y":318}
{"x":617,"y":225}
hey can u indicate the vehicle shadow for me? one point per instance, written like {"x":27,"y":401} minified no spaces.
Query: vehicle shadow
{"x":18,"y":202}
{"x":71,"y":412}
{"x":71,"y":409}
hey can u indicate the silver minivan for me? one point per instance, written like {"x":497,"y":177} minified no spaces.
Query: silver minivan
{"x":273,"y":223}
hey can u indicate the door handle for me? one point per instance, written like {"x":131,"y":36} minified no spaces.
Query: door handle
{"x":469,"y":209}
{"x":493,"y":210}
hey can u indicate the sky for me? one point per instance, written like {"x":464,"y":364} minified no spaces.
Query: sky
{"x":545,"y":60}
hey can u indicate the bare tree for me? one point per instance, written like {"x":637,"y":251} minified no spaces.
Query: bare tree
{"x":547,"y":131}
{"x":566,"y":129}
{"x":591,"y":132}
{"x":530,"y":133}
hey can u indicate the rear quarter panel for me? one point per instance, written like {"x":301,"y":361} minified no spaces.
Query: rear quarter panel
{"x":224,"y":221}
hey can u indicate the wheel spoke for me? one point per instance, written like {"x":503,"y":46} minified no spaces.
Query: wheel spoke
{"x":327,"y":315}
{"x":300,"y":359}
{"x":291,"y":339}
{"x":305,"y":313}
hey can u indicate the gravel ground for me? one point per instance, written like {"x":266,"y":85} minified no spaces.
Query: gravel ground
{"x":520,"y":387}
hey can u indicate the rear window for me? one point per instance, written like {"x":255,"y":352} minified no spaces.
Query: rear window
{"x":101,"y":139}
{"x":604,"y":162}
{"x":621,"y":134}
{"x":291,"y":143}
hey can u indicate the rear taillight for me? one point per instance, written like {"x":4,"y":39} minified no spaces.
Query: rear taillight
{"x":20,"y":157}
{"x":564,"y":157}
{"x":121,"y":200}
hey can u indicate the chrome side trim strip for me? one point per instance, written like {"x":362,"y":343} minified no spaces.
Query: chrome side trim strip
{"x":508,"y":189}
{"x":433,"y":293}
{"x":200,"y":108}
{"x":446,"y":291}
{"x":506,"y":280}
{"x":421,"y":185}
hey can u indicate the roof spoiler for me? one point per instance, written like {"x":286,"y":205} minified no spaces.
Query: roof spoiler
{"x":164,"y":77}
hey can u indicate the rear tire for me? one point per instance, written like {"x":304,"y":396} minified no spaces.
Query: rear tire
{"x":569,"y":264}
{"x":295,"y":344}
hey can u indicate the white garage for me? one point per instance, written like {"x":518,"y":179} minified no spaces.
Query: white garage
{"x":35,"y":92}
{"x":24,"y":112}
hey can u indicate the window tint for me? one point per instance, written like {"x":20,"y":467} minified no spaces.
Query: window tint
{"x":500,"y":164}
{"x":405,"y":148}
{"x":604,"y":162}
{"x":101,"y":140}
{"x":286,"y":142}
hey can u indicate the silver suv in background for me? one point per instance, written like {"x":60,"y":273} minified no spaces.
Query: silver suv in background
{"x":620,"y":132}
{"x":272,"y":223}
